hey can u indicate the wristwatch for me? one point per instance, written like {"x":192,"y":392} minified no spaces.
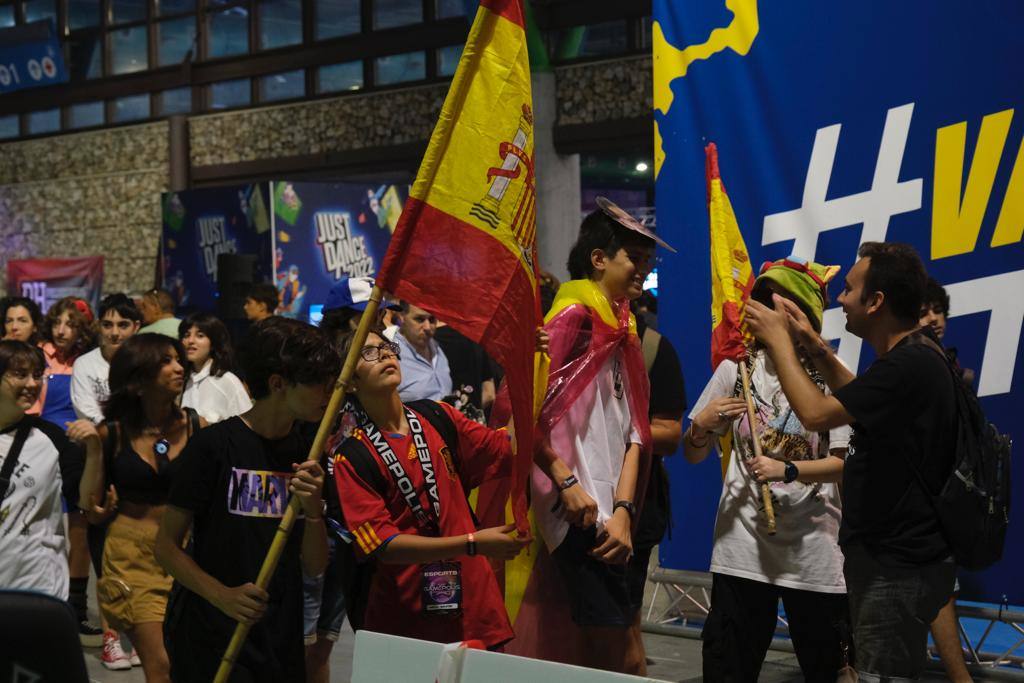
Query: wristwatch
{"x":568,"y":482}
{"x":470,"y":545}
{"x":627,"y":506}
{"x":791,"y":473}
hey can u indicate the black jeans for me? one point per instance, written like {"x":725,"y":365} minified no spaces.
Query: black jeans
{"x":741,"y":625}
{"x":891,"y":610}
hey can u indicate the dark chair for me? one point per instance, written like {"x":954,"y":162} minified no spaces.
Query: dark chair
{"x":39,"y":640}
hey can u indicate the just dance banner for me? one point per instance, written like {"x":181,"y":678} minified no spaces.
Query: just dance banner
{"x":836,"y":124}
{"x":326,"y":231}
{"x":199,"y":226}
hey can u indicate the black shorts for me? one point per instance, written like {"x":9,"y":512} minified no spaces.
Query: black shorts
{"x":599,"y":593}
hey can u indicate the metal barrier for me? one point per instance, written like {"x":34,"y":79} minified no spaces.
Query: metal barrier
{"x":680,"y":601}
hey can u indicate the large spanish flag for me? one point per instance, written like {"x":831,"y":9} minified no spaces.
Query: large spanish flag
{"x":465,"y":245}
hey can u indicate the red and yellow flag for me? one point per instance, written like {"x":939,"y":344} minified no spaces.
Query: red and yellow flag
{"x":731,"y":275}
{"x":465,"y":245}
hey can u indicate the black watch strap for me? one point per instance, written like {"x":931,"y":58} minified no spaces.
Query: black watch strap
{"x":627,"y":506}
{"x":791,"y":473}
{"x":568,"y":482}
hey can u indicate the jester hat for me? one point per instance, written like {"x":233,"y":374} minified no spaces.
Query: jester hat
{"x":806,"y":281}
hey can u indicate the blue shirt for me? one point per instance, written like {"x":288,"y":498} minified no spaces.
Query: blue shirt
{"x":422,"y":378}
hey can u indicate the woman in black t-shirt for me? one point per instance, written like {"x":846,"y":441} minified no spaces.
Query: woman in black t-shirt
{"x":142,"y":436}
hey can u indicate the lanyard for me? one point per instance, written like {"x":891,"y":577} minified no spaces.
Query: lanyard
{"x":428,"y":523}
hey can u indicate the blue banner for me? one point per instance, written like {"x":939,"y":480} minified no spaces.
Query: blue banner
{"x":199,"y":226}
{"x":30,"y":57}
{"x":836,"y":124}
{"x":323,"y":232}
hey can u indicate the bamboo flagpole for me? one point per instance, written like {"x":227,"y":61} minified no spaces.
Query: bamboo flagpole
{"x":288,"y":521}
{"x":766,"y":492}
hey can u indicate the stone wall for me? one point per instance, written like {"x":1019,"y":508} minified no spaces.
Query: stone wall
{"x":594,"y":92}
{"x":85,"y":194}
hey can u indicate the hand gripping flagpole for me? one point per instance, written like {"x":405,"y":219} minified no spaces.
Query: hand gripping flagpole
{"x":766,"y":492}
{"x":285,"y":527}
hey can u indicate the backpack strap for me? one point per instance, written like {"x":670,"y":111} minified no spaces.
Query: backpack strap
{"x":20,"y":437}
{"x":363,"y":463}
{"x":649,"y":344}
{"x":442,"y":422}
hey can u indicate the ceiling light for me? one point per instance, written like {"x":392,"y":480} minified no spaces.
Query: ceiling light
{"x":641,"y":166}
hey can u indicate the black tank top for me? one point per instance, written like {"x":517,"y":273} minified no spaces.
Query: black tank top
{"x":135,"y":479}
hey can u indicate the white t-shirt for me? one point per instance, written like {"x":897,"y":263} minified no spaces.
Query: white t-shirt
{"x":804,"y":553}
{"x":597,"y":429}
{"x":90,"y":385}
{"x":215,"y":398}
{"x":33,"y":549}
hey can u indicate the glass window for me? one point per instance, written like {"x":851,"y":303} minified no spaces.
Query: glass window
{"x":46,"y":121}
{"x":391,"y":13}
{"x":229,"y":94}
{"x":85,"y":115}
{"x":605,"y":39}
{"x":176,"y":101}
{"x":283,"y":86}
{"x":451,"y":8}
{"x":340,"y":77}
{"x":131,"y":108}
{"x":83,"y":13}
{"x":9,"y":127}
{"x":167,"y":7}
{"x":411,"y":66}
{"x":129,"y":50}
{"x":337,"y":18}
{"x":40,"y":9}
{"x":174,"y":39}
{"x":124,"y":11}
{"x":228,"y":33}
{"x":280,"y":23}
{"x":86,"y":56}
{"x":448,"y":59}
{"x":6,"y":19}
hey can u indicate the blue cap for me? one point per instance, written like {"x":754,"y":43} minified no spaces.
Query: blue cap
{"x":352,"y":293}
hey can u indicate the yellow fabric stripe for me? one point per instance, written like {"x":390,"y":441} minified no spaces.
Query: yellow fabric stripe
{"x":586,"y":292}
{"x":372,"y":533}
{"x":363,"y":542}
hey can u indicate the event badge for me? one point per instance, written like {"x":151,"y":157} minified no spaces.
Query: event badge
{"x":442,"y":588}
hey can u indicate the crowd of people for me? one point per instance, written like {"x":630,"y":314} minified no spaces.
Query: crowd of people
{"x":172,"y":456}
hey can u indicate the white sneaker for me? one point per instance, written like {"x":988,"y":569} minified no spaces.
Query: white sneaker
{"x":113,"y":656}
{"x":134,"y":658}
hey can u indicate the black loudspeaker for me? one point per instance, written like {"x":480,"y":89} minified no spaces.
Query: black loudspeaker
{"x":235,"y":274}
{"x":39,"y":640}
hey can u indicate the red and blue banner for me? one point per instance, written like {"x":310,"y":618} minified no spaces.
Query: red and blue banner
{"x":841,"y":123}
{"x":51,"y":279}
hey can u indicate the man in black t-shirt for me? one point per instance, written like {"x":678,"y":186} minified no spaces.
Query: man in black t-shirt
{"x":472,"y":370}
{"x":897,"y":566}
{"x":232,"y":488}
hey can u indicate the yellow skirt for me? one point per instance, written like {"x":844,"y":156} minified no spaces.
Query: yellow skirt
{"x":134,"y":587}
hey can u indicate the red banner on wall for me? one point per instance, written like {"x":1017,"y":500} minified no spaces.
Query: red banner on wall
{"x":48,"y":280}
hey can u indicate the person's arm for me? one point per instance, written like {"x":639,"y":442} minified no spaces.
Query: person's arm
{"x":615,"y":544}
{"x":307,"y":483}
{"x":495,"y":543}
{"x":713,"y":413}
{"x":90,"y":486}
{"x":826,"y":470}
{"x":245,"y":604}
{"x":816,"y":411}
{"x":577,"y":507}
{"x":666,"y":433}
{"x":822,"y":354}
{"x":487,"y":393}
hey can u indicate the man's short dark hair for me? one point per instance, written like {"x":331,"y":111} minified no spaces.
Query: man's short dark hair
{"x":935,"y":297}
{"x":600,"y":231}
{"x":19,"y":355}
{"x":896,"y":271}
{"x":160,"y":298}
{"x":266,"y":294}
{"x":122,"y":305}
{"x":299,"y":352}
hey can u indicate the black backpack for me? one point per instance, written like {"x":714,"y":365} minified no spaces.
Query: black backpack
{"x":973,"y":506}
{"x":355,"y":575}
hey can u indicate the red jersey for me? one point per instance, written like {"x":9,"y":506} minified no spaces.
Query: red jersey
{"x":395,"y":605}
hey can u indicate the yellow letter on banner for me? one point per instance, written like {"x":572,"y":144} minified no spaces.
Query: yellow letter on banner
{"x":1010,"y":226}
{"x":956,"y":223}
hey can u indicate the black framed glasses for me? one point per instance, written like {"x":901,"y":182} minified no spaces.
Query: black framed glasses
{"x":374,"y":354}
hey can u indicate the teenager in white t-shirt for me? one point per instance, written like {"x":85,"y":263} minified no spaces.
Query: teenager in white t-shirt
{"x":33,"y":548}
{"x":802,"y":563}
{"x":118,"y":319}
{"x":212,"y":390}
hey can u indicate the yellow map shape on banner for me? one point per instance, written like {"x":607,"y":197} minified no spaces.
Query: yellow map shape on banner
{"x":671,"y":63}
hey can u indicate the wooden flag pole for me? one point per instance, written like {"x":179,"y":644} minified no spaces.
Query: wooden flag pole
{"x":285,"y":527}
{"x":766,"y":493}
